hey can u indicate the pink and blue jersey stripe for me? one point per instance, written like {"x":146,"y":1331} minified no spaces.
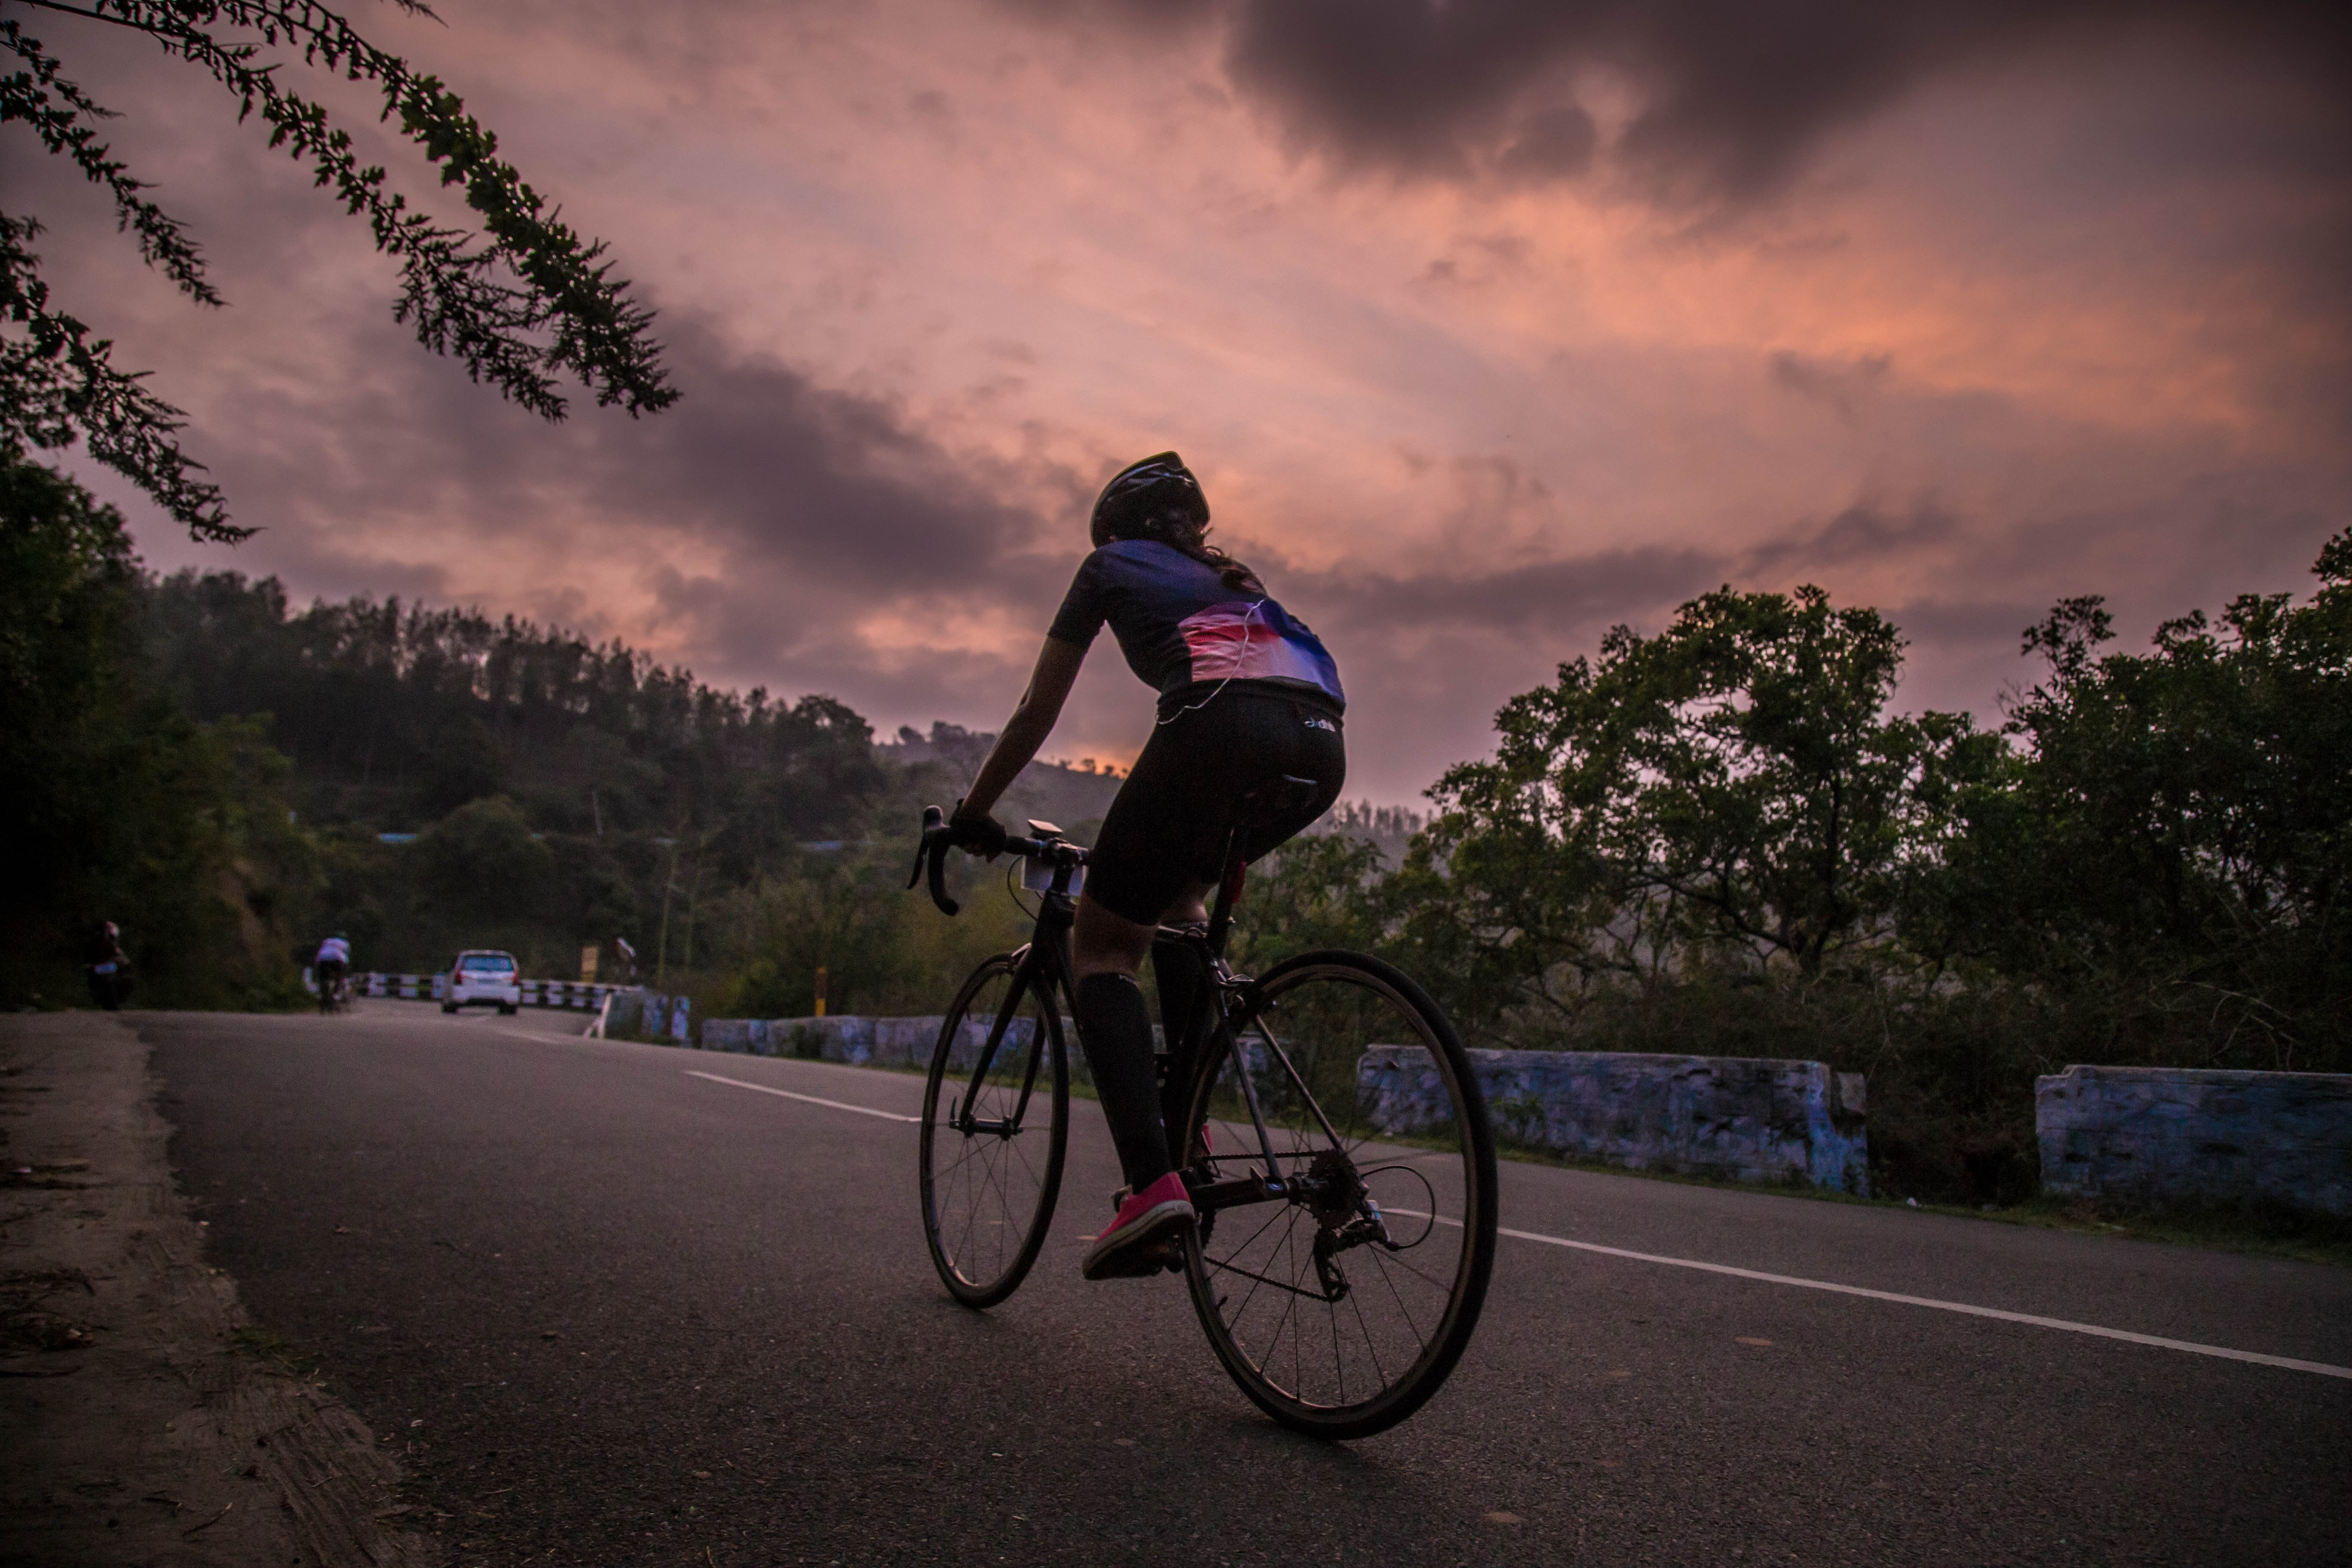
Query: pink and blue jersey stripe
{"x":1181,"y":624}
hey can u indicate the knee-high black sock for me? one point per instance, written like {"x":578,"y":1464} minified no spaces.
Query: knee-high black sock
{"x":1114,"y":1029}
{"x":1176,"y":966}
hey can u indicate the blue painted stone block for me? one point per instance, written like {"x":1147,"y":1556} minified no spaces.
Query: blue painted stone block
{"x":2159,"y":1137}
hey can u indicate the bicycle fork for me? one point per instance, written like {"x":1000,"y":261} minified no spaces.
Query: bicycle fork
{"x":960,"y":1117}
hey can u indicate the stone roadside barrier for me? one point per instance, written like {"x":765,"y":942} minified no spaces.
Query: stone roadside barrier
{"x":2161,"y":1137}
{"x":639,"y":1013}
{"x":1733,"y":1117}
{"x":854,"y":1040}
{"x":1745,"y":1119}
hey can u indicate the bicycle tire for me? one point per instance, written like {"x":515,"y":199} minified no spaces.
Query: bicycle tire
{"x":1330,"y":1005}
{"x":984,"y":1247}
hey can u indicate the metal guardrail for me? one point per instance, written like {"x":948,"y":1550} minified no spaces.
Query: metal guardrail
{"x":433,"y":987}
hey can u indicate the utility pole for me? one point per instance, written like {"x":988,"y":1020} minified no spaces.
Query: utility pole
{"x":669,"y":886}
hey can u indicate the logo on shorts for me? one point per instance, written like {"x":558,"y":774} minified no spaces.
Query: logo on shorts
{"x":1314,"y":723}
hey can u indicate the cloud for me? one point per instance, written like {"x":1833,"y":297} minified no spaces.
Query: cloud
{"x":1552,"y":596}
{"x":761,"y":518}
{"x":1861,"y":533}
{"x":1841,"y":384}
{"x":1728,"y":100}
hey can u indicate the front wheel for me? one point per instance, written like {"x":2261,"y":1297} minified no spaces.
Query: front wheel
{"x":1340,"y":1288}
{"x":994,"y":1140}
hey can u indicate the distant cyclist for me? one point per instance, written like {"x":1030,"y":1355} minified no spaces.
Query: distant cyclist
{"x":333,"y":963}
{"x":1247,"y":695}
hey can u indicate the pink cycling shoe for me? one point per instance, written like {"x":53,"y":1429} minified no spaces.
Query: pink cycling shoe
{"x":1130,"y":1248}
{"x":1201,"y":1150}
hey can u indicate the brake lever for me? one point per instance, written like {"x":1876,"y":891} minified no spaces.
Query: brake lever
{"x":934,"y":851}
{"x":933,"y":819}
{"x":938,"y":876}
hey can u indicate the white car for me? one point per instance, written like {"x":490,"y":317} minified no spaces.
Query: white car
{"x":483,"y":974}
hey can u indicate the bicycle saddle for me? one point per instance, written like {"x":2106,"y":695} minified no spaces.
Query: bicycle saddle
{"x":1277,"y":797}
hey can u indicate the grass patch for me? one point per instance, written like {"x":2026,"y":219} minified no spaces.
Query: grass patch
{"x":2268,"y":1233}
{"x":2258,"y":1233}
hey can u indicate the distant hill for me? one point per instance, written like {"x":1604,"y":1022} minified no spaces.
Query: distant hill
{"x":1068,"y":797}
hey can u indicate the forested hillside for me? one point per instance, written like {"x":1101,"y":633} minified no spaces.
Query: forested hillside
{"x":230,"y":777}
{"x":471,"y":782}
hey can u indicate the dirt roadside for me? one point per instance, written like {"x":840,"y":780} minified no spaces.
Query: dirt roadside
{"x":138,"y":1428}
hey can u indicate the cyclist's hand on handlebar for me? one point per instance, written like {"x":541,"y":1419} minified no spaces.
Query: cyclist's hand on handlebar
{"x":977,"y":832}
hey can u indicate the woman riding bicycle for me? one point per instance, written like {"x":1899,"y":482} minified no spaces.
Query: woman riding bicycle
{"x":1247,"y":696}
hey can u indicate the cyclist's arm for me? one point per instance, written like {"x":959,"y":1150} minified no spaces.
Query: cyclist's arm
{"x":1032,"y":721}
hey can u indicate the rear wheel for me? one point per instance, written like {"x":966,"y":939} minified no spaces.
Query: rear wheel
{"x":992,"y":1150}
{"x":1340,"y":1302}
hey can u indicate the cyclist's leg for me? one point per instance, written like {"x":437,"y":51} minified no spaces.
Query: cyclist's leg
{"x":1150,"y":858}
{"x":1160,"y":849}
{"x":1115,"y":1028}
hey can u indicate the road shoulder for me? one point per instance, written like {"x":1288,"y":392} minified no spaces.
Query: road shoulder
{"x":140,"y":1426}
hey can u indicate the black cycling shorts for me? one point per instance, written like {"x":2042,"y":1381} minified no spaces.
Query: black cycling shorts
{"x":1167,"y":829}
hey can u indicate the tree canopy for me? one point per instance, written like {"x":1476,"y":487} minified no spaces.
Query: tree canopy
{"x":523,"y":303}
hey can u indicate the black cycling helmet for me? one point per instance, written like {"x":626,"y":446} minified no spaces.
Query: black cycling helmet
{"x":1143,"y":497}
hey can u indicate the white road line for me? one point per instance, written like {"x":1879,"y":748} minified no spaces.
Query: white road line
{"x":812,"y":1099}
{"x":2190,"y":1346}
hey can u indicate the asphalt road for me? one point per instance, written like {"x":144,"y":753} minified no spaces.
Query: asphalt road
{"x":613,"y":1313}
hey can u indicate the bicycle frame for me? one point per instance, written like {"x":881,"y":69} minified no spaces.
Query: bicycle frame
{"x":1042,"y":967}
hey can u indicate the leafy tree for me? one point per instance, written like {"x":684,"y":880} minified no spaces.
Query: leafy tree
{"x":66,"y":570}
{"x":1732,"y":783}
{"x":1318,"y":890}
{"x":482,"y":860}
{"x":2183,"y":832}
{"x":120,"y":806}
{"x":523,"y":303}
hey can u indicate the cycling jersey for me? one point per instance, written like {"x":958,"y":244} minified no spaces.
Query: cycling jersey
{"x":1185,"y":632}
{"x":334,"y":950}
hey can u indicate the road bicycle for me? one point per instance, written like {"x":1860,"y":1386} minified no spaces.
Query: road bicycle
{"x":1337,"y":1150}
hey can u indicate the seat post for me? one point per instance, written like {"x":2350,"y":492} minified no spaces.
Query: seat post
{"x":1229,"y":892}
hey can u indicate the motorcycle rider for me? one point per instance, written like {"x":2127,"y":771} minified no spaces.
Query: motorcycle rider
{"x":109,"y":968}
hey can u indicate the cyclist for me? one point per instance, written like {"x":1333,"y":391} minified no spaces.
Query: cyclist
{"x":1247,"y":695}
{"x":334,"y":961}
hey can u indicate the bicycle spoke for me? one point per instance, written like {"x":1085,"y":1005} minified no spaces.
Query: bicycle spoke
{"x":1371,"y":1344}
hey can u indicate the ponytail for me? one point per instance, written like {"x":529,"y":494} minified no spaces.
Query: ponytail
{"x":1189,"y":538}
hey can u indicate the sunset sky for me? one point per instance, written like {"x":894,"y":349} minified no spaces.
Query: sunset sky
{"x":1486,"y":325}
